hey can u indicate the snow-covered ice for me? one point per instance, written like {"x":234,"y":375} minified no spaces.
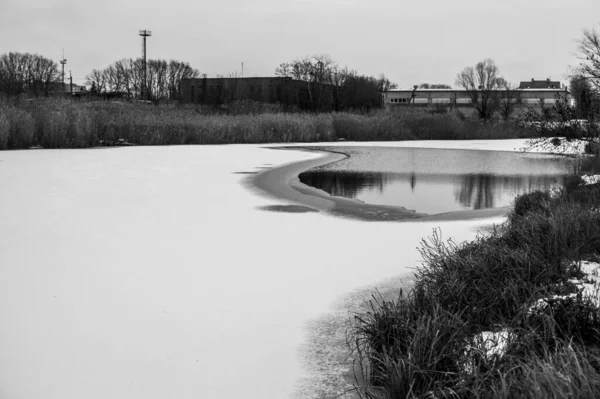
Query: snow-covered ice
{"x":152,"y":272}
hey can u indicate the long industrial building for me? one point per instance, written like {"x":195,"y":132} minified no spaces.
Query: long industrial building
{"x":528,"y":94}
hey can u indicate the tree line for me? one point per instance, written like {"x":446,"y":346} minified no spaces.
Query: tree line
{"x":331,"y":87}
{"x":36,"y":75}
{"x":125,"y":77}
{"x":27,"y":73}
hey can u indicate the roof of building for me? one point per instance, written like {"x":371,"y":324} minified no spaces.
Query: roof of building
{"x":557,"y":88}
{"x":540,"y":84}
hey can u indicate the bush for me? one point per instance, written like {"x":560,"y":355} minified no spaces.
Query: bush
{"x":429,"y":343}
{"x":532,"y":202}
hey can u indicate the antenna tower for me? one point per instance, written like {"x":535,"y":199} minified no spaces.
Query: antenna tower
{"x":63,"y":61}
{"x":144,"y":34}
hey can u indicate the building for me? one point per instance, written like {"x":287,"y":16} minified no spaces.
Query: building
{"x":540,"y":84}
{"x":523,"y":98}
{"x":222,"y":91}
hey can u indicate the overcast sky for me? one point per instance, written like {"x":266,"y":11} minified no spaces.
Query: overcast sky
{"x":410,"y":41}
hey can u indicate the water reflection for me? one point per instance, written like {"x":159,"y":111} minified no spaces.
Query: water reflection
{"x":479,"y":191}
{"x":428,"y":193}
{"x":345,"y":184}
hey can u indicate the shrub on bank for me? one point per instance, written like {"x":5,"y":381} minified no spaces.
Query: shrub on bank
{"x":470,"y":298}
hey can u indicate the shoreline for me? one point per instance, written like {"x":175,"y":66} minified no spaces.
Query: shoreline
{"x":282,"y":182}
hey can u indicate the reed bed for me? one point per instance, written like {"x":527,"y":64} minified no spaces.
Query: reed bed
{"x":429,"y":342}
{"x":65,"y":123}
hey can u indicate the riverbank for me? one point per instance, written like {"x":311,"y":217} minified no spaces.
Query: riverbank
{"x":371,"y":308}
{"x":514,"y":313}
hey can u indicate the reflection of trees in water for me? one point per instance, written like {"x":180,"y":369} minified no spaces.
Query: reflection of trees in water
{"x":478,"y":191}
{"x":344,"y":184}
{"x":472,"y":191}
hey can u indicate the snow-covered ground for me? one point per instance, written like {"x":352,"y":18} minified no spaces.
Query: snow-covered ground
{"x":152,"y":272}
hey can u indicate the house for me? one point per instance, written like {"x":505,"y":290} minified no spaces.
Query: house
{"x":540,"y":84}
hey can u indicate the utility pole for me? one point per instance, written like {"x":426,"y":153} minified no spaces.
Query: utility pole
{"x":70,"y":83}
{"x":63,"y":61}
{"x":144,"y":34}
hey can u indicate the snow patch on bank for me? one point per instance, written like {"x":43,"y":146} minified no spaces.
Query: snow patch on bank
{"x":590,"y":179}
{"x":492,"y":345}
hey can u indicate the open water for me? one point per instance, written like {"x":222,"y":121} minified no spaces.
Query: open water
{"x":437,"y":180}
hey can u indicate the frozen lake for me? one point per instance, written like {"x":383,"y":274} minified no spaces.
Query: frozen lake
{"x":153,"y":272}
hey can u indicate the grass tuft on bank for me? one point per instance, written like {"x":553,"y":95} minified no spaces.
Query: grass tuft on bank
{"x":66,"y":123}
{"x":495,"y":317}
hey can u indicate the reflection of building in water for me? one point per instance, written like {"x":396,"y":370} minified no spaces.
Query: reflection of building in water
{"x":344,"y":184}
{"x":478,"y":191}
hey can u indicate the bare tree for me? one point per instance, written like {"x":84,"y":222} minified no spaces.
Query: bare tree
{"x":284,"y":70}
{"x":481,"y":84}
{"x":588,"y":52}
{"x":584,"y":95}
{"x":176,"y":73}
{"x":98,"y":80}
{"x":506,"y":98}
{"x":338,"y":79}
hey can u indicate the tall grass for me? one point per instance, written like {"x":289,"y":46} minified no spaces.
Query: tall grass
{"x":428,"y":343}
{"x":63,"y":123}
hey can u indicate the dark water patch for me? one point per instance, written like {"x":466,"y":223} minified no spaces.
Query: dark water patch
{"x":436,"y":181}
{"x":288,"y":208}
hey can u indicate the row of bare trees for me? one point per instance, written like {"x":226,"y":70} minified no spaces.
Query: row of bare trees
{"x":490,"y":93}
{"x":331,"y":87}
{"x":27,"y":73}
{"x":126,"y":77}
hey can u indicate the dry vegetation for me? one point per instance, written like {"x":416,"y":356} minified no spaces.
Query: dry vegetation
{"x":63,"y":123}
